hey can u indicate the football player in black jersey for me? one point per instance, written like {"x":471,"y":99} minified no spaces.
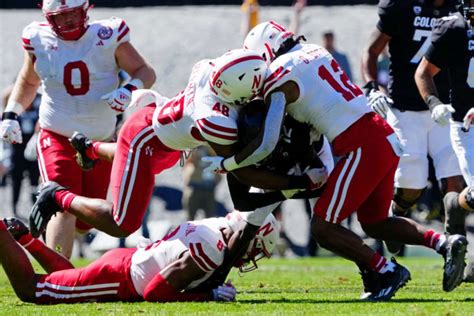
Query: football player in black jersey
{"x":452,"y":49}
{"x":406,"y":26}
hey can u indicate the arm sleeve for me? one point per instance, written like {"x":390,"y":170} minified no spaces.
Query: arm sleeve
{"x":268,"y":137}
{"x":159,"y":290}
{"x":389,"y":17}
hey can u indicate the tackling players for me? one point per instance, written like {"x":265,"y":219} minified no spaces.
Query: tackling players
{"x":77,"y":63}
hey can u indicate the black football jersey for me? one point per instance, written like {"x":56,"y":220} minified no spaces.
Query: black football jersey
{"x":409,"y":23}
{"x":452,"y":49}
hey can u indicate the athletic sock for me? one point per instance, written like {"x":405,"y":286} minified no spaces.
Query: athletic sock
{"x":31,"y":244}
{"x":381,"y":265}
{"x":93,"y":151}
{"x":434,"y":240}
{"x":64,"y":199}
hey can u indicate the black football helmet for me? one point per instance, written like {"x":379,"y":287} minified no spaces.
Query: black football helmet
{"x":467,"y":9}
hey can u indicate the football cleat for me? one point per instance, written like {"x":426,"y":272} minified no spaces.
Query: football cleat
{"x":389,"y":283}
{"x":469,"y":272}
{"x":370,"y":280}
{"x":44,"y":208}
{"x":16,"y":227}
{"x":81,"y":143}
{"x":454,"y":264}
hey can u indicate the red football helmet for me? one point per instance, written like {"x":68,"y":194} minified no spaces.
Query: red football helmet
{"x":72,"y":15}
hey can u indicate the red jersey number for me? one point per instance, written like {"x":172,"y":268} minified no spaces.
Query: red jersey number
{"x":172,"y":111}
{"x":349,"y":91}
{"x":84,"y":74}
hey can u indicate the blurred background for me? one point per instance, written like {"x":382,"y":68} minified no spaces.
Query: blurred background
{"x":173,"y":35}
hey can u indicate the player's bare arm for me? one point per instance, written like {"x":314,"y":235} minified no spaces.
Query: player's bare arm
{"x":130,"y":60}
{"x":377,"y":43}
{"x":26,"y":85}
{"x":424,"y":79}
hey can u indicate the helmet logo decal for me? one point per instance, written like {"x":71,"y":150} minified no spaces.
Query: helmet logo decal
{"x":105,"y":32}
{"x":256,"y":82}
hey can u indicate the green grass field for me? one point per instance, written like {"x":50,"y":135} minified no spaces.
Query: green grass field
{"x":322,"y":286}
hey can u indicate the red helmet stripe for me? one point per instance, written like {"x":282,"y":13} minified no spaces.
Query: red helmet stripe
{"x":232,"y":63}
{"x":277,"y":26}
{"x":270,"y":53}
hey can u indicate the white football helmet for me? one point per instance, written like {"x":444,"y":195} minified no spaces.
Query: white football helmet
{"x":238,"y":76}
{"x":266,"y":38}
{"x":69,"y":31}
{"x":262,"y":244}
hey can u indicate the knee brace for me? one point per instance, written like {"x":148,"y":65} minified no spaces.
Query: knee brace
{"x":402,"y":202}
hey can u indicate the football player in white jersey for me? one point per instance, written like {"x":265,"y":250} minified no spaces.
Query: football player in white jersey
{"x":152,"y":138}
{"x":171,"y":269}
{"x":77,"y":63}
{"x":307,"y":83}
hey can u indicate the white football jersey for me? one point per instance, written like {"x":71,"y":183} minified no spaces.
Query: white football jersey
{"x":203,"y":239}
{"x":328,"y":100}
{"x":196,"y":115}
{"x":75,"y":75}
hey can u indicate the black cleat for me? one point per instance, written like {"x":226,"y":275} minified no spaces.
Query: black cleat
{"x":389,"y":283}
{"x":454,"y":264}
{"x":16,"y":227}
{"x":44,"y":208}
{"x":81,"y":143}
{"x":370,"y":281}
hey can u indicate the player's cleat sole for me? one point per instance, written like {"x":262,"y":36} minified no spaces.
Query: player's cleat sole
{"x":44,"y":208}
{"x":16,"y":227}
{"x":81,"y":143}
{"x":390,"y":283}
{"x":454,"y":262}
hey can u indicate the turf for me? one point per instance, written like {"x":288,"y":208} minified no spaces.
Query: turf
{"x":321,"y":286}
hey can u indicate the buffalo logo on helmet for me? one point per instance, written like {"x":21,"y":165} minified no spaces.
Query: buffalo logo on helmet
{"x":105,"y":32}
{"x":417,"y":9}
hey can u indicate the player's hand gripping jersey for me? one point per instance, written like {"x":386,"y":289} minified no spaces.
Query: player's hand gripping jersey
{"x":328,"y":100}
{"x":203,"y":239}
{"x":75,"y":75}
{"x":196,"y":115}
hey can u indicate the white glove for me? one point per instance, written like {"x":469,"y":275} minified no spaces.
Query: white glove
{"x":442,"y":113}
{"x":318,"y":177}
{"x":468,"y":120}
{"x":225,"y":293}
{"x":379,"y":102}
{"x":119,"y":99}
{"x":215,"y":164}
{"x":10,"y":132}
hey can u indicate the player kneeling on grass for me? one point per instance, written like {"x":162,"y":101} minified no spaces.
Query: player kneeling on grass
{"x":170,"y":269}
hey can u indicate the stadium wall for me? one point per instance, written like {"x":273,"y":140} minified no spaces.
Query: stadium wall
{"x":24,"y":4}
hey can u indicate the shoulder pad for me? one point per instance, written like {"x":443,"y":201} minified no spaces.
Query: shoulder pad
{"x":206,"y":248}
{"x":218,"y":128}
{"x":30,"y":33}
{"x":277,"y":75}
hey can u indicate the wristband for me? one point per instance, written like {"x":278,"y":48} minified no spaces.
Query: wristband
{"x":229,"y":164}
{"x":369,"y":86}
{"x":134,"y":84}
{"x":432,"y":101}
{"x":9,"y":116}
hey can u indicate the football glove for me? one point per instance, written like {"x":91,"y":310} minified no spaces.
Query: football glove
{"x":225,"y":292}
{"x":215,"y":164}
{"x":10,"y":131}
{"x":468,"y":120}
{"x":120,"y":98}
{"x":317,"y":177}
{"x":379,"y":102}
{"x":442,"y":113}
